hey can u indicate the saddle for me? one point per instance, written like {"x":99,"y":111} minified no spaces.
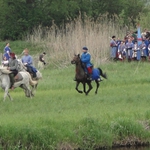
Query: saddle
{"x":13,"y":79}
{"x":18,"y":77}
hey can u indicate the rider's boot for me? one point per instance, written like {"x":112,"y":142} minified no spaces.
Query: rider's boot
{"x":11,"y":75}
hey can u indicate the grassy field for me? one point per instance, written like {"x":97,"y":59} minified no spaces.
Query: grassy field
{"x":58,"y":117}
{"x":18,"y":46}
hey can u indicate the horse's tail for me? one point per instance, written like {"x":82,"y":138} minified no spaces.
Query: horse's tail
{"x":104,"y":75}
{"x":33,"y":83}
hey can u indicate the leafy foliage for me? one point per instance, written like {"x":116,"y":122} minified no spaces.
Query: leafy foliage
{"x":21,"y":16}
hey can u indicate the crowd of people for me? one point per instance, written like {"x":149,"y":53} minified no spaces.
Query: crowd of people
{"x":10,"y":61}
{"x":129,"y":48}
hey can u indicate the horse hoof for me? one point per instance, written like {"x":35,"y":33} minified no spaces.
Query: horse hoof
{"x":80,"y":92}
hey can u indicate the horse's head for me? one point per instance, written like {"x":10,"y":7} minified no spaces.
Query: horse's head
{"x":76,"y":59}
{"x":4,"y":70}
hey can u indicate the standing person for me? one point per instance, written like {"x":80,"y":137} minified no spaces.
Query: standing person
{"x":13,"y":67}
{"x":41,"y":62}
{"x":147,"y":43}
{"x":129,"y":47}
{"x":113,"y":45}
{"x":135,"y":48}
{"x":7,"y":51}
{"x":143,"y":50}
{"x":121,"y":50}
{"x":5,"y":61}
{"x":28,"y":62}
{"x":149,"y":52}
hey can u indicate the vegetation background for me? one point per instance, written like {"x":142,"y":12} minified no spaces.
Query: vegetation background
{"x":19,"y":17}
{"x":58,"y":117}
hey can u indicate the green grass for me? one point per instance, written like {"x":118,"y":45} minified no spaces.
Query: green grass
{"x":59,"y":117}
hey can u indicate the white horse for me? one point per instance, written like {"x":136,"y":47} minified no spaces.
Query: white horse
{"x":25,"y":80}
{"x":22,"y":68}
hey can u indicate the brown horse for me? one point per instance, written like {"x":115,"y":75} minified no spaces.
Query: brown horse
{"x":81,"y":75}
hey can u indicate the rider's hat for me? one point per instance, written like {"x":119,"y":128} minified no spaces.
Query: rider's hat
{"x":85,"y":48}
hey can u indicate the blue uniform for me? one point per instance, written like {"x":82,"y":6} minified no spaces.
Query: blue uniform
{"x":147,"y":43}
{"x":129,"y":47}
{"x":143,"y":49}
{"x":7,"y":51}
{"x":86,"y":58}
{"x":122,"y":49}
{"x":113,"y":46}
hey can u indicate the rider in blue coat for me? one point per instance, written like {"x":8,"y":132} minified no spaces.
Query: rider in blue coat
{"x":28,"y":62}
{"x":86,"y":60}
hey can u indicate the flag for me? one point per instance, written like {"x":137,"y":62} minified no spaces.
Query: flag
{"x":139,"y":42}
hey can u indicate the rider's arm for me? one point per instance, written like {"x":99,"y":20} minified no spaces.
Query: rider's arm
{"x":15,"y":67}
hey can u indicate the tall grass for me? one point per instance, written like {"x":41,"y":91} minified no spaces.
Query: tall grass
{"x":62,"y":43}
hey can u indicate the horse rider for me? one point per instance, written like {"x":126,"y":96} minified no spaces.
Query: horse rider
{"x":7,"y":51}
{"x":28,"y":63}
{"x":86,"y":61}
{"x":13,"y":67}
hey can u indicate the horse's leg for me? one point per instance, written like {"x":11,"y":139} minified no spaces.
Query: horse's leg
{"x":84,"y":87}
{"x":77,"y":84}
{"x":90,"y":87}
{"x":33,"y":90}
{"x":27,"y":90}
{"x":97,"y":86}
{"x":7,"y":94}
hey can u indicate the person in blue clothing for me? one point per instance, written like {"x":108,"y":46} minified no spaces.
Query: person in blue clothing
{"x":129,"y":46}
{"x":114,"y":46}
{"x":7,"y":51}
{"x":28,"y":62}
{"x":86,"y":60}
{"x":147,"y":43}
{"x":87,"y":65}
